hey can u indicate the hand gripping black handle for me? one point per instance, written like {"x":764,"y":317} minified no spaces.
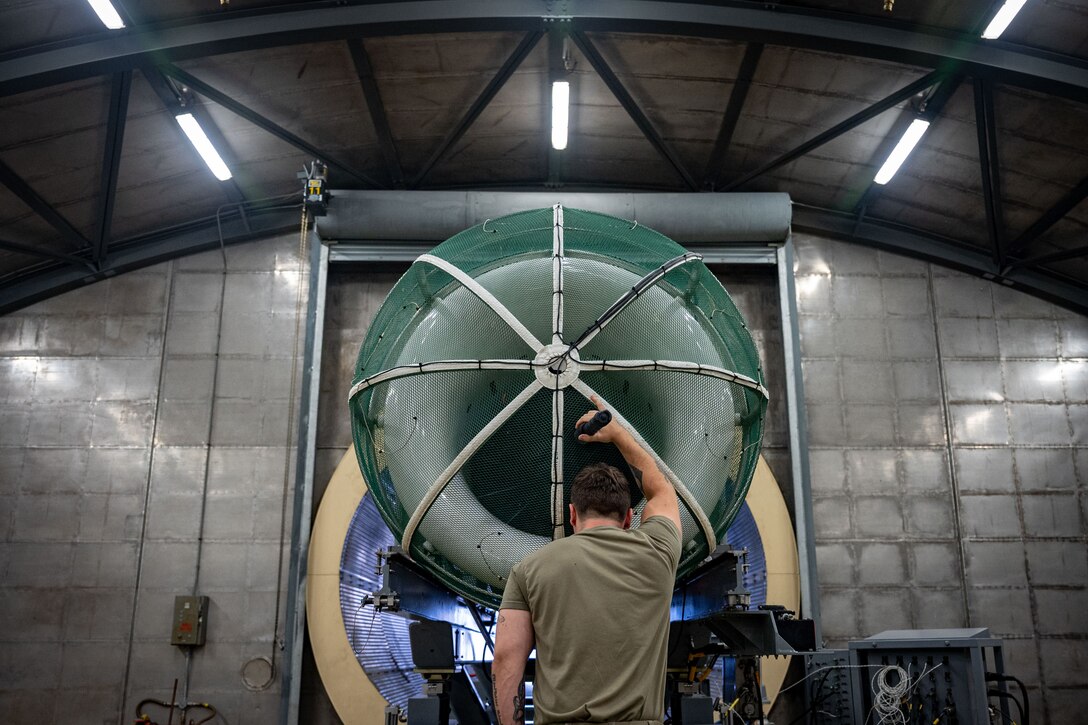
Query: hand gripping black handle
{"x":594,"y":424}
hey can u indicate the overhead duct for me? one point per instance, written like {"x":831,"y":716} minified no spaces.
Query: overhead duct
{"x":417,"y":216}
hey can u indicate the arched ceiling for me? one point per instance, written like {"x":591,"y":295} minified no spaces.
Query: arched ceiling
{"x":696,"y":97}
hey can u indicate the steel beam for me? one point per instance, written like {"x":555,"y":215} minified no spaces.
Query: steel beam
{"x":804,"y":521}
{"x":32,"y":251}
{"x":493,"y":87}
{"x":1066,"y":204}
{"x":302,"y":507}
{"x":946,"y":252}
{"x":737,"y":97}
{"x":41,"y":207}
{"x":111,"y":158}
{"x":1045,"y":259}
{"x":146,"y":250}
{"x":224,"y":100}
{"x":378,"y":117}
{"x":289,"y":24}
{"x":632,"y":107}
{"x":989,"y":165}
{"x":840,"y":128}
{"x":930,"y":109}
{"x":175,"y":104}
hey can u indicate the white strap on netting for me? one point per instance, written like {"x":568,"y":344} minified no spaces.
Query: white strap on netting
{"x":675,"y":366}
{"x":558,"y":251}
{"x":557,"y":465}
{"x":451,"y":470}
{"x":631,"y":295}
{"x":486,"y":297}
{"x":437,"y":366}
{"x":440,"y":366}
{"x":681,"y":490}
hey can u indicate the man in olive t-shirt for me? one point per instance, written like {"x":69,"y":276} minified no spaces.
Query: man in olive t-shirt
{"x":596,"y":604}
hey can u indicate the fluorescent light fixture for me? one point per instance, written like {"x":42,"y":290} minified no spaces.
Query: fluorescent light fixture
{"x":1002,"y":18}
{"x":107,"y":14}
{"x":560,"y":114}
{"x":203,"y":146}
{"x":901,"y":151}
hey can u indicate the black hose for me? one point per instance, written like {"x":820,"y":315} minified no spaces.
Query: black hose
{"x":1026,"y":714}
{"x":1009,"y":696}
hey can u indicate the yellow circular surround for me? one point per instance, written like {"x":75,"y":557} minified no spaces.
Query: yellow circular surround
{"x":355,"y":698}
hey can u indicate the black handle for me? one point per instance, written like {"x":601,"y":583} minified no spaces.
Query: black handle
{"x":594,"y":424}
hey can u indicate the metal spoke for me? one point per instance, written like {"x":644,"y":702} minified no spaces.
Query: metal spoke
{"x":557,"y":464}
{"x":438,"y":366}
{"x":630,"y":296}
{"x":674,"y":366}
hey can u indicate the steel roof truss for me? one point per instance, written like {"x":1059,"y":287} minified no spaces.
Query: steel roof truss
{"x":45,"y":254}
{"x":782,"y":25}
{"x":1066,"y":204}
{"x":840,"y":128}
{"x":224,"y":100}
{"x":176,"y":102}
{"x":737,"y":97}
{"x":361,"y":60}
{"x":135,"y":253}
{"x":911,"y":242}
{"x":41,"y":207}
{"x":990,"y":167}
{"x":929,"y":109}
{"x":633,"y":110}
{"x":493,"y":87}
{"x":1046,"y":259}
{"x":111,"y":158}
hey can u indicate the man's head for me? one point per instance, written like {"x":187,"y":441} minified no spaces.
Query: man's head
{"x":600,"y":493}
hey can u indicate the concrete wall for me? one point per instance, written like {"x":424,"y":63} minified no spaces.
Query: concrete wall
{"x":948,"y":427}
{"x":125,"y":481}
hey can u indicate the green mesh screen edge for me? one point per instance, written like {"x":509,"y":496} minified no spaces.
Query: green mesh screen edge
{"x":408,"y":429}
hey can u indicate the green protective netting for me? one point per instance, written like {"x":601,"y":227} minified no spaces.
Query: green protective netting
{"x":471,"y":496}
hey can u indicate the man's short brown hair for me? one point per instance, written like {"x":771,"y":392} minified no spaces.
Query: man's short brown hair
{"x":601,"y":491}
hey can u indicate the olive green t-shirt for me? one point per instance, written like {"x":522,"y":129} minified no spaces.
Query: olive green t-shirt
{"x":599,"y":602}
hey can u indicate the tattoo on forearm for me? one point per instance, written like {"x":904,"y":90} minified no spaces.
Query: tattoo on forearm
{"x":495,"y":696}
{"x":519,"y":708}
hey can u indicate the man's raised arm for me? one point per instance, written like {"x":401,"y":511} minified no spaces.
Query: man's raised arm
{"x":660,"y":494}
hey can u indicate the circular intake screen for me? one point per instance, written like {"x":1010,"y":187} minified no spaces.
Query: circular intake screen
{"x":486,"y":352}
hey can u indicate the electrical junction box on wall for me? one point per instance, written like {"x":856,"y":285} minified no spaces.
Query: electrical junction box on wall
{"x":190,"y":621}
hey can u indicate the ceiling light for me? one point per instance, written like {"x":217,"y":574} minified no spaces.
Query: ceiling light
{"x":901,"y":151}
{"x":203,"y":146}
{"x":560,"y":114}
{"x":1002,"y":18}
{"x":107,"y":14}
